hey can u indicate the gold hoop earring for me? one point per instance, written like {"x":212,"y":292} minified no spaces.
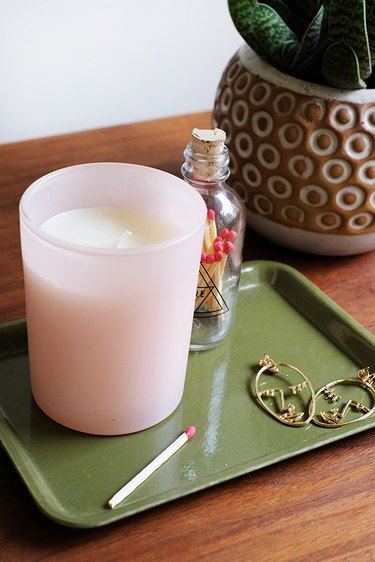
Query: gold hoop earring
{"x":284,"y":399}
{"x":335,"y":417}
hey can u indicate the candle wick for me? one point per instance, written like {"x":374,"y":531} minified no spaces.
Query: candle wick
{"x":122,"y":240}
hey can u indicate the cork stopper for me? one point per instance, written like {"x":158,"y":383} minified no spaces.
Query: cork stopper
{"x":208,"y":144}
{"x":208,"y":141}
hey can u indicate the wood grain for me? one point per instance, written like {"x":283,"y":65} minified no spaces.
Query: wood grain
{"x":319,"y":506}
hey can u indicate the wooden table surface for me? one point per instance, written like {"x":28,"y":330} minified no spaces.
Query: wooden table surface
{"x":318,"y":507}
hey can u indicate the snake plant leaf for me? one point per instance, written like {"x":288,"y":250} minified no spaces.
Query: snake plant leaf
{"x":308,"y":8}
{"x":288,"y":52}
{"x":291,"y":18}
{"x":271,"y":32}
{"x":240,"y":12}
{"x":326,"y":41}
{"x":347,"y":23}
{"x":340,"y":66}
{"x":370,"y":24}
{"x":310,"y":42}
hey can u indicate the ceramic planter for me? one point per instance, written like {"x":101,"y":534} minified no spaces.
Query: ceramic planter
{"x":302,"y":156}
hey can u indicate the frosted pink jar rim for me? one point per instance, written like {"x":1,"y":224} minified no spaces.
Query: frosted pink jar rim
{"x":38,"y":184}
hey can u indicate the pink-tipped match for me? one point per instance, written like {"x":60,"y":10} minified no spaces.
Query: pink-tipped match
{"x":228,"y":247}
{"x":210,"y":258}
{"x":211,"y":214}
{"x":218,"y":246}
{"x":190,"y":431}
{"x":224,"y":233}
{"x":203,"y":257}
{"x":218,"y":256}
{"x":232,"y":235}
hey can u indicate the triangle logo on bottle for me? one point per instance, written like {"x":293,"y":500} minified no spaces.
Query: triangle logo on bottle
{"x":209,"y":301}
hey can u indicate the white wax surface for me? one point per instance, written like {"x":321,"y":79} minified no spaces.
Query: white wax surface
{"x":110,"y":227}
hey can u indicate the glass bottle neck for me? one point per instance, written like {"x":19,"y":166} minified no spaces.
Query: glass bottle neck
{"x":202,"y":169}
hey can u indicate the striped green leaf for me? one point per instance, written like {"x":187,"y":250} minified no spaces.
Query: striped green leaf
{"x":292,"y":18}
{"x":347,"y":24}
{"x":370,"y":24}
{"x":271,"y":33}
{"x":310,"y":41}
{"x":288,"y":52}
{"x":241,"y":12}
{"x":340,"y":66}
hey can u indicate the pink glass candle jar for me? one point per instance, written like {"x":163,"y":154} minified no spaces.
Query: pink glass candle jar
{"x":109,"y":328}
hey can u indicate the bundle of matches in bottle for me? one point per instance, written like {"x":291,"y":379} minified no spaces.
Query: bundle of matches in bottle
{"x":216,"y":248}
{"x":208,"y":166}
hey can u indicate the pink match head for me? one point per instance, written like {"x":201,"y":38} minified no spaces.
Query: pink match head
{"x":218,"y":245}
{"x":218,"y":256}
{"x":232,"y":235}
{"x":211,"y":214}
{"x":203,"y":257}
{"x":228,"y":247}
{"x":224,"y":233}
{"x":210,"y":258}
{"x":190,"y":431}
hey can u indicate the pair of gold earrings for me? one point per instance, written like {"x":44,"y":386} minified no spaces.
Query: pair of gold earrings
{"x":287,"y":403}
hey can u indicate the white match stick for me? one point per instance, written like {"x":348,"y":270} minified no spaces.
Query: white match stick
{"x":151,"y":467}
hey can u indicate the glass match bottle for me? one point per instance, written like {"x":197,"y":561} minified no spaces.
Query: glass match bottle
{"x":206,"y":168}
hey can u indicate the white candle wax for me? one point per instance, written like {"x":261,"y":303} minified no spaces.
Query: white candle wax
{"x":110,"y":227}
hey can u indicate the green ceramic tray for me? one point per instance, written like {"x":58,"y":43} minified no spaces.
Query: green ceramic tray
{"x":71,"y":475}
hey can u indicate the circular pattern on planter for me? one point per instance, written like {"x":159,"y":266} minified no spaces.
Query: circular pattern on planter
{"x":268,"y":155}
{"x":263,"y":204}
{"x":313,"y":111}
{"x":359,"y":145}
{"x":260,"y":93}
{"x":301,"y":166}
{"x":350,"y":198}
{"x":290,"y":135}
{"x":280,"y":187}
{"x":366,"y":172}
{"x":343,"y":116}
{"x":240,"y":112}
{"x":251,"y":175}
{"x":242,"y":83}
{"x":337,"y":170}
{"x":233,"y":69}
{"x":241,"y":190}
{"x":243,"y":144}
{"x":369,"y":119}
{"x":283,"y":104}
{"x":293,"y":214}
{"x":262,"y":123}
{"x":313,"y":195}
{"x":328,"y":221}
{"x":323,"y":142}
{"x":226,"y":99}
{"x":361,"y":221}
